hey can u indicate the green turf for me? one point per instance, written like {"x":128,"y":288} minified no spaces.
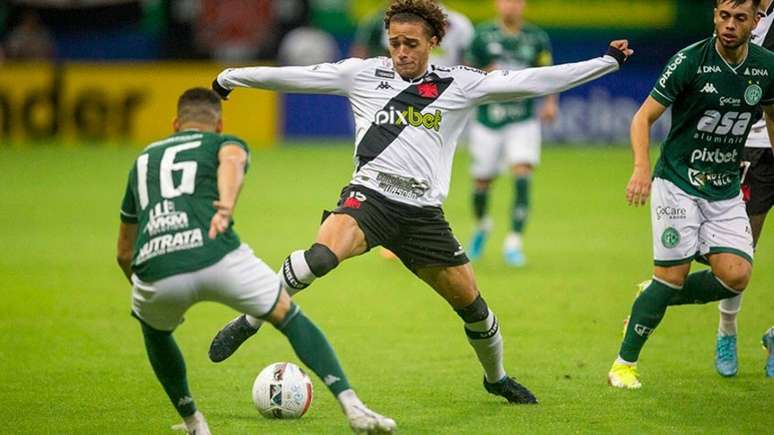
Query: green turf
{"x":71,"y":358}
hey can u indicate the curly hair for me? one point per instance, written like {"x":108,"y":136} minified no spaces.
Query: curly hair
{"x":426,"y":12}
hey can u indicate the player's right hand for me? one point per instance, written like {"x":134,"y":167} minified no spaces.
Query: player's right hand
{"x":638,"y":189}
{"x":220,"y":220}
{"x":220,"y":90}
{"x":619,"y":49}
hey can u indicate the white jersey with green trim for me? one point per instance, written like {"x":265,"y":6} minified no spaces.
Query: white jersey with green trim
{"x":759,"y":136}
{"x":406,"y":131}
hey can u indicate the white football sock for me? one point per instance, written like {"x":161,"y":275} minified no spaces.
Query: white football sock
{"x":486,"y":340}
{"x":620,"y":360}
{"x":253,"y":321}
{"x":729,"y":309}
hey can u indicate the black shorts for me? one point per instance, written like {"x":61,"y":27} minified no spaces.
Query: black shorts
{"x":758,"y":184}
{"x":419,"y":236}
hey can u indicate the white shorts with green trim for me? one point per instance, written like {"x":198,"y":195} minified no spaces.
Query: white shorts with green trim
{"x":240,"y":280}
{"x":493,"y":150}
{"x":687,"y":227}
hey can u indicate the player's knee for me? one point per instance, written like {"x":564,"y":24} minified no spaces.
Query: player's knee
{"x":737,"y":277}
{"x":300,"y":268}
{"x":321,"y":259}
{"x":475,"y":312}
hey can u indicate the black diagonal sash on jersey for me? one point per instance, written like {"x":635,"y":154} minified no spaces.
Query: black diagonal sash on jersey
{"x":379,"y":137}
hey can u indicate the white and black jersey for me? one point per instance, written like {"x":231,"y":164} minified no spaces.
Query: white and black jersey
{"x":406,"y":131}
{"x":764,"y":36}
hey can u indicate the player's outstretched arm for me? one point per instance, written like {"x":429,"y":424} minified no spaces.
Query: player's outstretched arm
{"x":534,"y":82}
{"x":638,"y":189}
{"x":231,"y":172}
{"x":325,"y":78}
{"x":127,"y":234}
{"x":768,"y":115}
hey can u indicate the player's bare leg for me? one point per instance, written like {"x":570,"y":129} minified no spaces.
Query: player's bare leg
{"x":483,"y":221}
{"x":338,"y":238}
{"x":513,"y":246}
{"x":457,"y":286}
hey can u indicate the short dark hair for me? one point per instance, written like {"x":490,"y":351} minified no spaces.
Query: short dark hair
{"x":426,"y":12}
{"x":756,"y":3}
{"x":199,"y":104}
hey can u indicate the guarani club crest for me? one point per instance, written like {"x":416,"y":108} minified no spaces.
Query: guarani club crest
{"x":670,"y":238}
{"x":753,"y":94}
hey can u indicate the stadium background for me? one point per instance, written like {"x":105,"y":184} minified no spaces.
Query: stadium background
{"x":73,"y":118}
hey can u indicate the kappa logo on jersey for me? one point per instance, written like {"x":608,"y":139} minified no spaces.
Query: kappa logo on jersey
{"x":383,"y":85}
{"x":709,"y":88}
{"x":428,"y":90}
{"x":756,"y":72}
{"x":412,"y":117}
{"x":671,"y":69}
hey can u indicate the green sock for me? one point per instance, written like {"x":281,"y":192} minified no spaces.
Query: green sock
{"x":647,"y":311}
{"x":700,"y":288}
{"x":480,"y":203}
{"x":313,"y":349}
{"x":520,"y":209}
{"x":169,"y":366}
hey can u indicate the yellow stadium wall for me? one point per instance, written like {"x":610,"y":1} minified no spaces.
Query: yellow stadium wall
{"x":117,"y":103}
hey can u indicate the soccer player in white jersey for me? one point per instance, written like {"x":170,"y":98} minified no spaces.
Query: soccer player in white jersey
{"x":758,"y":190}
{"x":408,"y":116}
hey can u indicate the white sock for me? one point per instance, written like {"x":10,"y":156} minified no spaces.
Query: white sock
{"x":349,"y":401}
{"x":513,"y":241}
{"x":620,"y":360}
{"x":192,"y":419}
{"x":253,"y":321}
{"x":486,"y":224}
{"x":729,"y":309}
{"x":486,"y":340}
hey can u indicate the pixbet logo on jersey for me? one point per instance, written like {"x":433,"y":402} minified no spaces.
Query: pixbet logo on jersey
{"x":411,"y":116}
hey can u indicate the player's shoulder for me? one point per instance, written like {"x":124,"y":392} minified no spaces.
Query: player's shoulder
{"x":489,"y":26}
{"x":696,"y":51}
{"x":762,"y":55}
{"x":460,"y":73}
{"x":533,"y":29}
{"x":221,"y":139}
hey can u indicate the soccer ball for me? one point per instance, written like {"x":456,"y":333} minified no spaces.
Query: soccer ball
{"x":282,"y":390}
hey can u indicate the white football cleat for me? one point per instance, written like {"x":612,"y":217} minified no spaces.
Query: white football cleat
{"x":198,"y":426}
{"x":364,"y":421}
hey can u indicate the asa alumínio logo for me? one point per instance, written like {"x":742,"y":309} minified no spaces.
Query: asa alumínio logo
{"x":670,"y":238}
{"x":753,"y":94}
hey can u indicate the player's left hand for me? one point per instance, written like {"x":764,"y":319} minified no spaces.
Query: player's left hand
{"x":220,"y":220}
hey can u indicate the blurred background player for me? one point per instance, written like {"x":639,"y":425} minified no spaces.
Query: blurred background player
{"x":371,"y":38}
{"x":177,"y":247}
{"x":758,"y":190}
{"x":507,"y":132}
{"x":715,"y":87}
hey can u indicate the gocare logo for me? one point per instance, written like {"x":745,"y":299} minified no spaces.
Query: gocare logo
{"x":715,"y":156}
{"x":412,"y":117}
{"x":730,"y":101}
{"x":671,"y":68}
{"x":670,"y":212}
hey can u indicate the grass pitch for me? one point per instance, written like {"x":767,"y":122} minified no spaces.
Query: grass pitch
{"x":72,"y":360}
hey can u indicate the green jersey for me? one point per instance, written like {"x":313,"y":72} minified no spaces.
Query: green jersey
{"x":170,"y":195}
{"x":713,"y":108}
{"x":494,"y":47}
